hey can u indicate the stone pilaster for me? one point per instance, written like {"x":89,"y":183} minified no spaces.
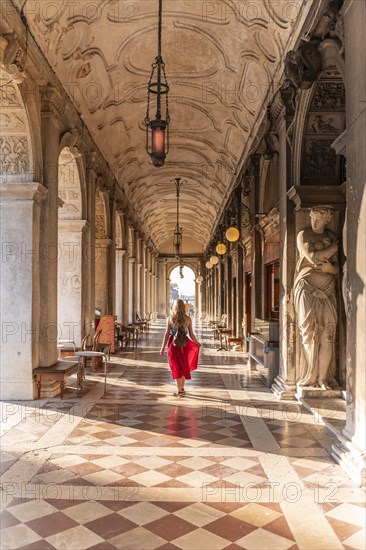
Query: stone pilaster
{"x":71,"y":306}
{"x":91,"y":180}
{"x":51,"y":110}
{"x":102,"y":247}
{"x":284,"y":385}
{"x":20,"y":312}
{"x":351,"y":451}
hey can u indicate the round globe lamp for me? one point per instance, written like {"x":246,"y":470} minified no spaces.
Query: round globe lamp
{"x":221,"y":248}
{"x":214,"y":260}
{"x":232,"y":234}
{"x":199,"y":279}
{"x":209,"y":265}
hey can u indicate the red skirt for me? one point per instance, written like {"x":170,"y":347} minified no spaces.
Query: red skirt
{"x":183,"y":360}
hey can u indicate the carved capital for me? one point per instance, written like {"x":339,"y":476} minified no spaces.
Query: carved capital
{"x":12,"y":58}
{"x":51,"y":100}
{"x":303,"y":65}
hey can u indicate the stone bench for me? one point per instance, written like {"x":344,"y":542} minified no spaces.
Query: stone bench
{"x":60,"y":371}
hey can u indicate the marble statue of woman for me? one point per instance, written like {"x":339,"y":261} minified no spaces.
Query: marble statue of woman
{"x":315,"y":300}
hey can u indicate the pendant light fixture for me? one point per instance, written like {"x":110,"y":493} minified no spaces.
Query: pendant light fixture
{"x":157,"y":130}
{"x":178,"y":230}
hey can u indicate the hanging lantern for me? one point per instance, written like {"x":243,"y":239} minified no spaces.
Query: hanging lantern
{"x":214,"y":260}
{"x":208,"y":265}
{"x":221,"y":249}
{"x":157,"y":130}
{"x":232,"y":234}
{"x":199,"y":279}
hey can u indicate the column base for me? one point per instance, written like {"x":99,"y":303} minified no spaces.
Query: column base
{"x":284,"y":391}
{"x":308,"y":391}
{"x":351,"y":459}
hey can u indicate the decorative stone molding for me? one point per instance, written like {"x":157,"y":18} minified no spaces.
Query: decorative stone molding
{"x":307,"y":196}
{"x":270,"y":224}
{"x":51,"y":100}
{"x":339,"y":144}
{"x":22,"y":191}
{"x":73,"y":226}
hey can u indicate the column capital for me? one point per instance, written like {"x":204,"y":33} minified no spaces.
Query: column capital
{"x":12,"y":59}
{"x":132,"y":260}
{"x":73,"y":226}
{"x":103,"y":243}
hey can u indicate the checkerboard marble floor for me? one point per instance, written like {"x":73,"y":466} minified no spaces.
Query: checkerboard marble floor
{"x":226,"y":467}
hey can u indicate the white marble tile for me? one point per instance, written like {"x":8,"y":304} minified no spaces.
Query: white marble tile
{"x":143,"y":512}
{"x":77,"y":538}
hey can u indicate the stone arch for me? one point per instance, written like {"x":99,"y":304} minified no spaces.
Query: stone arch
{"x":71,"y":243}
{"x":16,"y":140}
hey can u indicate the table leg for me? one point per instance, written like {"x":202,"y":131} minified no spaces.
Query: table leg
{"x":39,"y":388}
{"x":62,"y":388}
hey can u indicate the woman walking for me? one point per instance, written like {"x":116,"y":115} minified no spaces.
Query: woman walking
{"x":182,"y":351}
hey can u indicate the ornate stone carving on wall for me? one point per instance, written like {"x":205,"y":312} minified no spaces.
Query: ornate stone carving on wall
{"x":14,"y":153}
{"x":319,"y":160}
{"x":324,"y":122}
{"x":303,"y":66}
{"x":329,"y":96}
{"x":270,"y":224}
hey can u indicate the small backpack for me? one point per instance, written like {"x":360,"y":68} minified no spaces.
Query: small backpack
{"x":180,"y":338}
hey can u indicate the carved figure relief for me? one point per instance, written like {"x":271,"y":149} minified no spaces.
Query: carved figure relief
{"x":303,"y":65}
{"x":319,"y":159}
{"x":14,"y":152}
{"x":9,"y":96}
{"x":315,"y":300}
{"x":11,"y":121}
{"x":325,"y":120}
{"x":329,"y":96}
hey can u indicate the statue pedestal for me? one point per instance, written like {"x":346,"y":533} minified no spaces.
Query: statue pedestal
{"x":309,"y":391}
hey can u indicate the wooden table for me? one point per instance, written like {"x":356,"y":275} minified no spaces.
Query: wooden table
{"x":58,"y":372}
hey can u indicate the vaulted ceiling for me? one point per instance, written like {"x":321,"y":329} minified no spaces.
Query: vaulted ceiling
{"x":222,"y":59}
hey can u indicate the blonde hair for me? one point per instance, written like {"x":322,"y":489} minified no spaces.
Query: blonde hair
{"x":178,"y":313}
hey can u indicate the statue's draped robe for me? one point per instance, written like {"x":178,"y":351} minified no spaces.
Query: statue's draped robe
{"x":316,"y":308}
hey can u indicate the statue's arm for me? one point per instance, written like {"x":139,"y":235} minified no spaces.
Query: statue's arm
{"x":306,"y":249}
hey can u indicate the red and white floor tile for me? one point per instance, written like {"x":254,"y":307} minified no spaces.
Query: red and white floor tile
{"x":226,"y":467}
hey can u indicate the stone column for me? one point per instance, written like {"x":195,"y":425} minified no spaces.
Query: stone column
{"x":148,"y":289}
{"x":131,"y":288}
{"x":284,"y":385}
{"x":125,"y":288}
{"x":20,"y":211}
{"x":91,"y":180}
{"x":239,"y":291}
{"x":228,"y":293}
{"x":119,"y":284}
{"x":51,"y":110}
{"x":102,"y":247}
{"x":71,"y":306}
{"x":351,"y":454}
{"x":111,"y":294}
